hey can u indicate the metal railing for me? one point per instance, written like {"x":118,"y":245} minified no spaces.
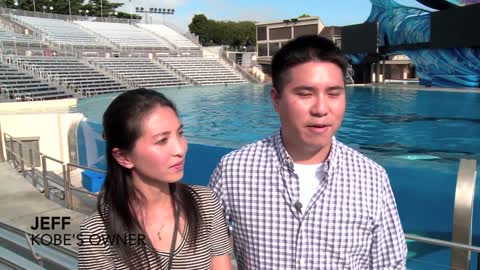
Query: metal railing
{"x":20,"y":248}
{"x":48,"y":183}
{"x":467,"y":174}
{"x":65,"y":17}
{"x":245,"y":74}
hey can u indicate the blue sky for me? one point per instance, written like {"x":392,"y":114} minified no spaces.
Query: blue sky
{"x":331,"y":12}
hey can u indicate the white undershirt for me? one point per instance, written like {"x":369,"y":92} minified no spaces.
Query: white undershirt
{"x":309,"y":177}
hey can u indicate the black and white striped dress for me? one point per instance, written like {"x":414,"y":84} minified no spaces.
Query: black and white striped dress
{"x":213,"y":240}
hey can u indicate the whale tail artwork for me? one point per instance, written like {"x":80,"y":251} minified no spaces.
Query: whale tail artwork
{"x":450,"y":66}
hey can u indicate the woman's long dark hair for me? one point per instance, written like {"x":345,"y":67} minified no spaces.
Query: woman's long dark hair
{"x":122,"y":127}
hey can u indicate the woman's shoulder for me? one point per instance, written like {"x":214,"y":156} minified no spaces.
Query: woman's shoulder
{"x":203,"y":195}
{"x":201,"y":190}
{"x":94,"y":221}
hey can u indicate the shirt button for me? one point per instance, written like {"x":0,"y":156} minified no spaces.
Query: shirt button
{"x":301,"y":261}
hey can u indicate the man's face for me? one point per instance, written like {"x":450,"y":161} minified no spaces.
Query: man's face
{"x":311,"y":106}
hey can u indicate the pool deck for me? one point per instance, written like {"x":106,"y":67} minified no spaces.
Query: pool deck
{"x":21,"y":204}
{"x":416,"y":87}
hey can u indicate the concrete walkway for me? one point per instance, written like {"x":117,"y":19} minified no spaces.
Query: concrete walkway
{"x":21,"y":204}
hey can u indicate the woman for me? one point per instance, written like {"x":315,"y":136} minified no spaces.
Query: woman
{"x":168,"y":225}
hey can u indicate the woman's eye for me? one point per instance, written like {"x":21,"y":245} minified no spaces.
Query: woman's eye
{"x":162,"y":141}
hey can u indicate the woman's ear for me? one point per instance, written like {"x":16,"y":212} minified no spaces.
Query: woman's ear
{"x":122,"y":158}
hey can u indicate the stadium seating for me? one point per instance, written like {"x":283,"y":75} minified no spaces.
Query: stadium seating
{"x":143,"y":72}
{"x":202,"y":71}
{"x":126,"y":36}
{"x":59,"y":32}
{"x":178,"y":41}
{"x":17,"y":85}
{"x":158,"y":56}
{"x":80,"y":77}
{"x":13,"y":43}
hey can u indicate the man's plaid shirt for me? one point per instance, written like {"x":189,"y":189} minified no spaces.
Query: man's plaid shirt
{"x":351,"y":222}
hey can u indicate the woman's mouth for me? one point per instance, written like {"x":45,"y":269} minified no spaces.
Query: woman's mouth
{"x":177,"y":166}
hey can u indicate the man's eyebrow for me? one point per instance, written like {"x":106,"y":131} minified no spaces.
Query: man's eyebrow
{"x":336,"y":87}
{"x":303,"y":87}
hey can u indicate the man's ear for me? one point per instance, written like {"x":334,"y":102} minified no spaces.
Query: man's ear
{"x":122,"y":158}
{"x":275,"y":95}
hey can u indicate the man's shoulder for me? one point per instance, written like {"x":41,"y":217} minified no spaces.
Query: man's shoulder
{"x":355,"y":158}
{"x":251,"y":151}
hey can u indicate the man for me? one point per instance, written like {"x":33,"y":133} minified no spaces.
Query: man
{"x":300,"y":199}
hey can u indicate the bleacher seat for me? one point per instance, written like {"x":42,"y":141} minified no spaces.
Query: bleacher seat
{"x":126,"y":36}
{"x":59,"y":31}
{"x":19,"y":86}
{"x":83,"y":79}
{"x":14,"y":43}
{"x":180,"y":42}
{"x":141,"y":71}
{"x":203,"y":71}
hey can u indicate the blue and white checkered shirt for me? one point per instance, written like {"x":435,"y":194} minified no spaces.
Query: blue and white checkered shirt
{"x":351,"y":222}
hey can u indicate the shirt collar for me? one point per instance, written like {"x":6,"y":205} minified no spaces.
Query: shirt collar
{"x":285,"y":158}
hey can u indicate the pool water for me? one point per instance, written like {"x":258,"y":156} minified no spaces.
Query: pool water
{"x":417,"y":124}
{"x":418,"y":136}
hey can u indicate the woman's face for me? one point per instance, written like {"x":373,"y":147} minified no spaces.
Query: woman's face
{"x":159,"y":152}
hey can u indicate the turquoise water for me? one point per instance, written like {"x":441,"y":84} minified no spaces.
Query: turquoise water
{"x":418,"y":136}
{"x":431,"y":125}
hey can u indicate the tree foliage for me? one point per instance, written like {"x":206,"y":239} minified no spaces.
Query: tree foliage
{"x":8,"y":3}
{"x":234,"y":34}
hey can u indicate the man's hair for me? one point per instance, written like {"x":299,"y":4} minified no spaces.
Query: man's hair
{"x":302,"y":50}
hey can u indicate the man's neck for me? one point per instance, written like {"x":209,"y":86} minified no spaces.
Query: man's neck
{"x":307,"y":155}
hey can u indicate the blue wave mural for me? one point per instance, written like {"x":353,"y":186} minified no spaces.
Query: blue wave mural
{"x":463,"y":2}
{"x":398,"y":24}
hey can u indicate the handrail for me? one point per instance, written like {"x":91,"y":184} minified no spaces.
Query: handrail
{"x":2,"y":158}
{"x":61,"y":256}
{"x":86,"y":168}
{"x":463,"y":212}
{"x":34,"y":254}
{"x":242,"y":71}
{"x":444,"y":243}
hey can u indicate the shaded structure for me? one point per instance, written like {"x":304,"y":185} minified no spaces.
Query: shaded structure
{"x":271,"y":36}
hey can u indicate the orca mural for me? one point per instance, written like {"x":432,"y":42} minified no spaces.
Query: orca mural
{"x":398,"y":24}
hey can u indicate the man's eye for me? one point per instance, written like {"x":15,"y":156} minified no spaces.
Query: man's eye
{"x":335,"y":93}
{"x":304,"y":94}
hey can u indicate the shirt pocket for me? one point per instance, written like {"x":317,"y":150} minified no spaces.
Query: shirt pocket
{"x":346,"y":241}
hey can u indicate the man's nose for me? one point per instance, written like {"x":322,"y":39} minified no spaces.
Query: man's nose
{"x":319,"y":106}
